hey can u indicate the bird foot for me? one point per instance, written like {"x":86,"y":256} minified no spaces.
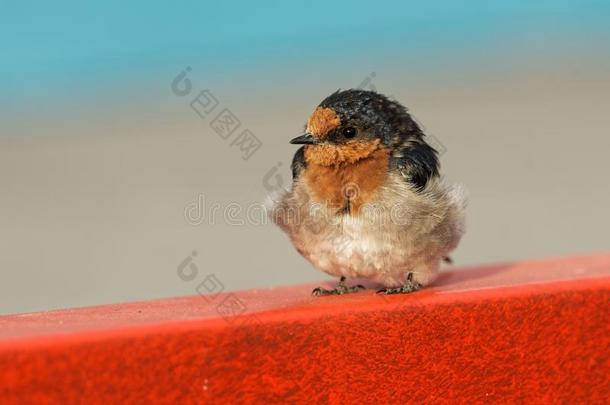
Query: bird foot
{"x":340,"y":289}
{"x":408,"y":287}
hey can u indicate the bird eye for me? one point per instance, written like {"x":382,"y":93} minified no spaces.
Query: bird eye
{"x":349,"y":132}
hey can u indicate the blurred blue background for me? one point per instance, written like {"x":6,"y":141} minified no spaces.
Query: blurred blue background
{"x":99,"y":158}
{"x":57,"y":49}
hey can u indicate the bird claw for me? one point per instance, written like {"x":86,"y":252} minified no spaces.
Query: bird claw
{"x":320,"y":291}
{"x":340,"y":289}
{"x":408,"y":287}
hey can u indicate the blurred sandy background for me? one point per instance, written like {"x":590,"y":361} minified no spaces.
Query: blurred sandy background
{"x":99,"y":158}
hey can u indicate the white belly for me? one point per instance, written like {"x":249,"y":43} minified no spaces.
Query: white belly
{"x":355,"y":249}
{"x":382,"y":247}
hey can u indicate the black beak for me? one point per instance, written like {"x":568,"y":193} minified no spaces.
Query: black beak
{"x":305,"y":139}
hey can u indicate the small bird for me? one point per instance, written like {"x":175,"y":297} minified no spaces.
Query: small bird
{"x":367,"y":200}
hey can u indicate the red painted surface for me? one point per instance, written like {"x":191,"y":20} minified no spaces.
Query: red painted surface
{"x":533,"y":332}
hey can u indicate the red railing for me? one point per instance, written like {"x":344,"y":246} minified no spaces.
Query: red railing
{"x":529,"y":332}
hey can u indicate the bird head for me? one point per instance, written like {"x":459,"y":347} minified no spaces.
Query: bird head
{"x":351,"y":125}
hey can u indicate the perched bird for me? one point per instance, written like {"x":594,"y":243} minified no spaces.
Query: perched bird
{"x":367,"y":200}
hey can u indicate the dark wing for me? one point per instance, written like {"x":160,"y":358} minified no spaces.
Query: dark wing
{"x":417,"y":162}
{"x":298,"y":163}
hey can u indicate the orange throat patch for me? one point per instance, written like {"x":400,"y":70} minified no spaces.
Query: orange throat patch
{"x":346,"y":177}
{"x":350,"y":153}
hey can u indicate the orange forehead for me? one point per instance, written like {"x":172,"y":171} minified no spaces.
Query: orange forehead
{"x":322,"y":121}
